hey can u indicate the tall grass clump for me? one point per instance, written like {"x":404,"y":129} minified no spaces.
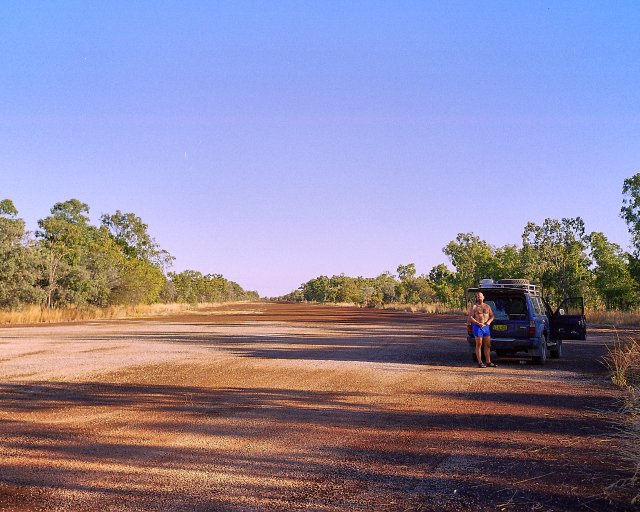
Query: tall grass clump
{"x":623,"y":361}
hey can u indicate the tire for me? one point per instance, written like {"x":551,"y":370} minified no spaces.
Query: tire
{"x":542,"y":359}
{"x":556,"y":352}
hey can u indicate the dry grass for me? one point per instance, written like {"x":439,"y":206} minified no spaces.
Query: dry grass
{"x":434,"y":308}
{"x":37,"y":315}
{"x":623,"y":361}
{"x":613,"y":317}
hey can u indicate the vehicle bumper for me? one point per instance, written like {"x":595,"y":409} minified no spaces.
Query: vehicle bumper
{"x":531,"y":347}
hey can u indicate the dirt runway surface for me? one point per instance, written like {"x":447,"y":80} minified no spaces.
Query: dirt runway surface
{"x":267,"y":406}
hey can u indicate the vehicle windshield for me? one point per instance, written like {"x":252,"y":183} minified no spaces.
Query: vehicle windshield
{"x":508,"y":308}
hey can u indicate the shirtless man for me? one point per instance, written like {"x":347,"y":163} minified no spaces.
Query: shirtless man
{"x":480,"y":317}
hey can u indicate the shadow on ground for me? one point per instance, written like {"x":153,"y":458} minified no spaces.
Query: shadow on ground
{"x":381,"y":460}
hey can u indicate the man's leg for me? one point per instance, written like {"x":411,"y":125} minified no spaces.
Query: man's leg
{"x":486,"y":343}
{"x":479,"y":348}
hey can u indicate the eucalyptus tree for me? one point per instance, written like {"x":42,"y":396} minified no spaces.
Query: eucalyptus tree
{"x":612,"y":277}
{"x":554,"y":254}
{"x":19,"y":265}
{"x":472,"y":258}
{"x":630,"y":210}
{"x":443,"y":283}
{"x":133,"y":236}
{"x":64,"y":237}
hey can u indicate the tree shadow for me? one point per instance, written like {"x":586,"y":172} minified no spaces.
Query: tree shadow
{"x":380,"y":458}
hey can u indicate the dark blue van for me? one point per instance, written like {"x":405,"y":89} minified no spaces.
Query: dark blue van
{"x":525,"y":325}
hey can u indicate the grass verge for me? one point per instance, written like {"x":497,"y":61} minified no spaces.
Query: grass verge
{"x":37,"y":315}
{"x":623,"y":361}
{"x":434,"y":308}
{"x":613,"y":317}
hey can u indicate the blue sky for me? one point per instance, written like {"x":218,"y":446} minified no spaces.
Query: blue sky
{"x":273,"y":141}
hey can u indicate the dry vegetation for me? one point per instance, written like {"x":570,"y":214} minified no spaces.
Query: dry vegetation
{"x":434,"y":308}
{"x":623,"y":361}
{"x":614,"y":318}
{"x":37,"y":315}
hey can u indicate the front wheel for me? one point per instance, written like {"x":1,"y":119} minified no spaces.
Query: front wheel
{"x":556,"y":352}
{"x":542,"y":358}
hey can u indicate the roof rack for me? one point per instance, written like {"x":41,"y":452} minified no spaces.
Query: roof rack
{"x":519,"y":284}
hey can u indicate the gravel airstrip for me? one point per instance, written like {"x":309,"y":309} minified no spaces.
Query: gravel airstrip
{"x":267,"y":406}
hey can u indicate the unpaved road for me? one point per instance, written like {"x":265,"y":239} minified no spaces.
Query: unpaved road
{"x":296,"y":407}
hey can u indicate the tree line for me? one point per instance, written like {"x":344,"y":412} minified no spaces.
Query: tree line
{"x":69,"y":262}
{"x":559,"y":255}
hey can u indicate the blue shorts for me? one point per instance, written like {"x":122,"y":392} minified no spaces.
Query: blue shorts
{"x":481,"y":331}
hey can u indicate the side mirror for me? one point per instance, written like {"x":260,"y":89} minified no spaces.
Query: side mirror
{"x":561,"y":311}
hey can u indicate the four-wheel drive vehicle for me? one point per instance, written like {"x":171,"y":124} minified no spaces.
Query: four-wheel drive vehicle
{"x":524,"y":322}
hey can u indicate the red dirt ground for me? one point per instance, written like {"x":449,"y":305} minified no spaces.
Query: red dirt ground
{"x":269,"y":406}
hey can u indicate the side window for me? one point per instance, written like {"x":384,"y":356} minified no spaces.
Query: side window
{"x":537,"y":307}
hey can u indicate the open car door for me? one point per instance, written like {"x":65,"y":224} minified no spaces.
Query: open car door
{"x":569,"y":322}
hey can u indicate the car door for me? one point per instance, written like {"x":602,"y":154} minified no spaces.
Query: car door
{"x":568,"y":322}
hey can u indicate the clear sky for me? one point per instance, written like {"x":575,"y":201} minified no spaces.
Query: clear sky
{"x":275,"y":141}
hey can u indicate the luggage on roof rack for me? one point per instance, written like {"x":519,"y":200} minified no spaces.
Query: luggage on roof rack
{"x":520,"y":284}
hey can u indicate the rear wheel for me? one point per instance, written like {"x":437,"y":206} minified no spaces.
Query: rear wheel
{"x":542,"y":358}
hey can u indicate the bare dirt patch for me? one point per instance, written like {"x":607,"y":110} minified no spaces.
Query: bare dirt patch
{"x":297,"y":407}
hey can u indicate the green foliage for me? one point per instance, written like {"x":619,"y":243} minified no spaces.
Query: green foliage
{"x":472,"y":257}
{"x":612,"y":273}
{"x":554,"y":255}
{"x":443,"y":282}
{"x":71,"y":262}
{"x":367,"y":291}
{"x":140,"y":282}
{"x":131,"y":234}
{"x":192,"y":287}
{"x":558,"y":255}
{"x":630,"y":210}
{"x":19,"y":263}
{"x":63,"y":240}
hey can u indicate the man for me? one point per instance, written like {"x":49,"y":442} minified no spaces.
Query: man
{"x":480,"y":317}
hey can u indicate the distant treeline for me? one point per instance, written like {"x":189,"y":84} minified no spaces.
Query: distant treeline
{"x":558,"y":255}
{"x":70,"y":262}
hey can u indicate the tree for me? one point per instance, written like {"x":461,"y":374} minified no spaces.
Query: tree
{"x":473,"y":259}
{"x":18,"y":260}
{"x":630,"y":210}
{"x":386,"y":284}
{"x":612,"y":277}
{"x":132,"y":235}
{"x":192,"y":287}
{"x":554,"y":255}
{"x":406,"y":272}
{"x":508,"y":263}
{"x":64,"y":239}
{"x":317,"y":290}
{"x":443,"y":283}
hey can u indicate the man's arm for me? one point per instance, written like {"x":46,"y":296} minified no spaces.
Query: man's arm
{"x":470,"y":318}
{"x":491,"y":316}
